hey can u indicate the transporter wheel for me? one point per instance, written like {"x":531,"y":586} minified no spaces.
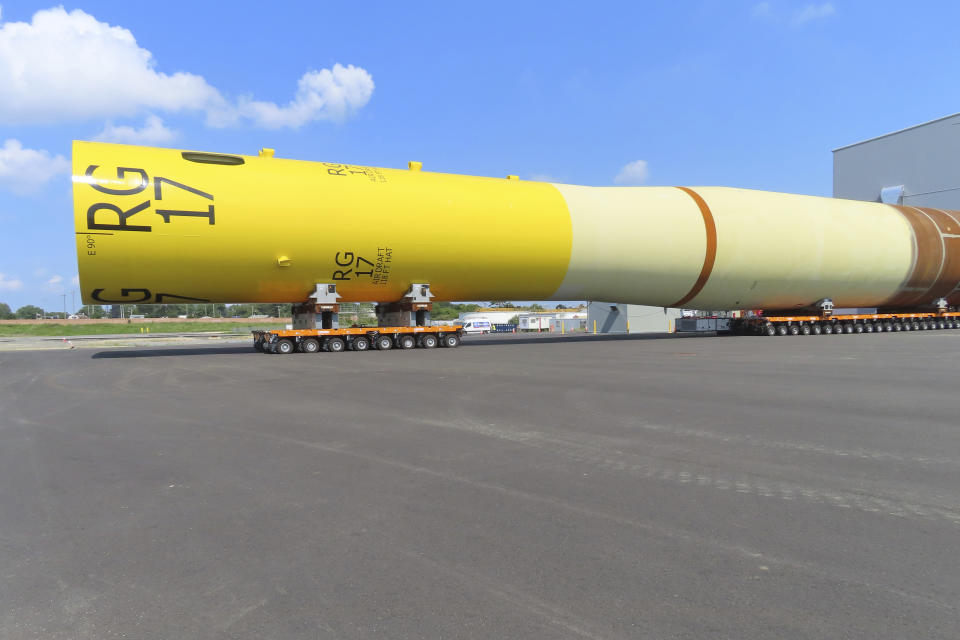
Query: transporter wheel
{"x":827,"y":328}
{"x":858,"y":328}
{"x":897,"y":326}
{"x":361,"y":343}
{"x":914,"y":326}
{"x":794,"y":330}
{"x":336,"y":345}
{"x":848,"y":328}
{"x":450,"y":340}
{"x":805,"y":329}
{"x":781,"y":330}
{"x":816,"y":329}
{"x":888,"y":326}
{"x":941,"y":325}
{"x":383,"y":343}
{"x":924,"y":325}
{"x":428,"y":341}
{"x":868,"y":327}
{"x":768,"y":330}
{"x":285,"y":346}
{"x":407,"y":342}
{"x":310,"y":345}
{"x":258,"y":345}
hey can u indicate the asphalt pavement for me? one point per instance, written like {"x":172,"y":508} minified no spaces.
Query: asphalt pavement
{"x":515,"y":487}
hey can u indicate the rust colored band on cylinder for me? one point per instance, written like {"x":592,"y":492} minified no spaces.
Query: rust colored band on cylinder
{"x":711,"y":253}
{"x":936,"y":267}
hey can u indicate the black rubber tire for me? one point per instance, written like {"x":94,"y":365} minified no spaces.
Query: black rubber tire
{"x":429,"y":341}
{"x":924,"y":325}
{"x":941,"y":325}
{"x":793,"y":330}
{"x":406,"y":342}
{"x":816,"y":329}
{"x":827,"y":328}
{"x":782,"y":330}
{"x":805,"y":329}
{"x":309,"y":345}
{"x":336,"y":344}
{"x":360,"y":343}
{"x":285,"y":346}
{"x":858,"y":328}
{"x":868,"y":327}
{"x":769,"y":330}
{"x":897,"y":326}
{"x":451,"y":341}
{"x":384,"y":343}
{"x":914,"y":326}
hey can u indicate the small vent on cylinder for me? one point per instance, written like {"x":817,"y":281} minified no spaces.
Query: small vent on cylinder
{"x":211,"y":158}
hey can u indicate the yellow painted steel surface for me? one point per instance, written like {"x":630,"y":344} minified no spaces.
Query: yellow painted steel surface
{"x":164,"y":225}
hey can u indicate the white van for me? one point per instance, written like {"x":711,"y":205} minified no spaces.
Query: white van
{"x":478,"y":326}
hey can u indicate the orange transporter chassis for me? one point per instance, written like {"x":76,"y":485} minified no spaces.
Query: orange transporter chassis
{"x":355,"y":339}
{"x":860,"y":323}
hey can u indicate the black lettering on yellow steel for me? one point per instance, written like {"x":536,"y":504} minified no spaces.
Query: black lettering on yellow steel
{"x":366,"y":262}
{"x":167,"y":213}
{"x":381,"y":270}
{"x":121,"y":175}
{"x":160,"y":181}
{"x":91,"y":245}
{"x":125,"y":294}
{"x":158,"y":192}
{"x":355,"y":262}
{"x":145,"y":296}
{"x":122,"y":216}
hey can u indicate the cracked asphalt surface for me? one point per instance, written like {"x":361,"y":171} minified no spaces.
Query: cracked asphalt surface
{"x":516,"y":487}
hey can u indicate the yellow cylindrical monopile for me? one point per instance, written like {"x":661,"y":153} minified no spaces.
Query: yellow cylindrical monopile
{"x":171,"y":226}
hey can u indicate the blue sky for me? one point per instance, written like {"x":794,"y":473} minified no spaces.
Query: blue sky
{"x":746,"y":94}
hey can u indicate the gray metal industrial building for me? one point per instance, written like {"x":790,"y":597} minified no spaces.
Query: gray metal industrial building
{"x":917,"y":166}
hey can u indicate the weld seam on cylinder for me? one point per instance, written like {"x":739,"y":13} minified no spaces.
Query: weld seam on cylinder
{"x":710,"y":227}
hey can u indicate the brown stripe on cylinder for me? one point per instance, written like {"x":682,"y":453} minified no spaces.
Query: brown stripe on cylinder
{"x":953,"y":255}
{"x":928,"y":261}
{"x":950,"y":273}
{"x":710,"y":257}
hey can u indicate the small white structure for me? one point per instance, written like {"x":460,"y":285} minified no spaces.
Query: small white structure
{"x":547,"y":320}
{"x":493,"y":316}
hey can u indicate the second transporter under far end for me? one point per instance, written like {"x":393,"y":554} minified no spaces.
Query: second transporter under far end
{"x":158,"y":226}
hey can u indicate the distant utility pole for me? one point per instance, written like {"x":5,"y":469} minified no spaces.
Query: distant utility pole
{"x":73,"y":299}
{"x":64,"y":305}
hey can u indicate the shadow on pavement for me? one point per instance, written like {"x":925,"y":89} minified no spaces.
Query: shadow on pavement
{"x":173,"y":351}
{"x":470,"y":341}
{"x":550,"y":338}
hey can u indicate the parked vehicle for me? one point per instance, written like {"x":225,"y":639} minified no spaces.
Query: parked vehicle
{"x":478,"y":326}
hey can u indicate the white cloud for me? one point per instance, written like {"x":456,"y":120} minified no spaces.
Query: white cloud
{"x":762,"y":10}
{"x":813,"y":12}
{"x":635,"y":172}
{"x":152,"y":132}
{"x":321,"y":95}
{"x":68,"y":66}
{"x":10,"y":283}
{"x":75,"y":280}
{"x":26,"y":170}
{"x":55,"y":280}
